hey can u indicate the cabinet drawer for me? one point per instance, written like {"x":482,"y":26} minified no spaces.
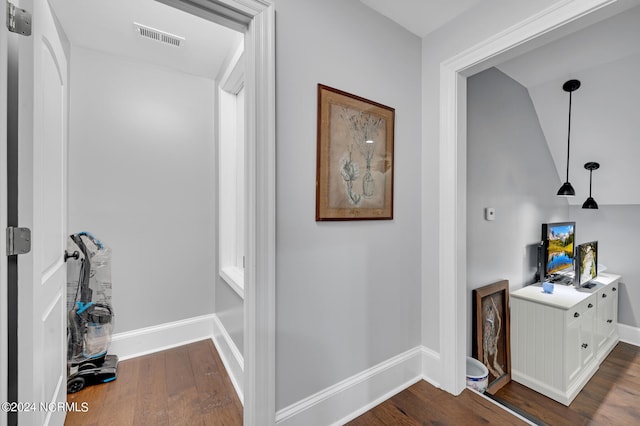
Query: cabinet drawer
{"x":581,"y":308}
{"x":607,"y":292}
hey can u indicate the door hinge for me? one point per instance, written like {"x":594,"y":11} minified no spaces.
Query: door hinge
{"x":18,"y":20}
{"x":18,"y":240}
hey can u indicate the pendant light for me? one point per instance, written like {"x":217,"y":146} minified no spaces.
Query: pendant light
{"x":590,"y":203}
{"x":566,"y":190}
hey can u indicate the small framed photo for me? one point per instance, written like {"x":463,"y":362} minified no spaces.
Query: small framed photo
{"x":354,"y":171}
{"x":491,"y":331}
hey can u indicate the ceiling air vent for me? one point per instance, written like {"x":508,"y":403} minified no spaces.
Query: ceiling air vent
{"x":157,"y":35}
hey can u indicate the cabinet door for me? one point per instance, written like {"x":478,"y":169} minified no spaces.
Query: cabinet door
{"x":587,"y":327}
{"x":613,"y":300}
{"x":573,"y":349}
{"x":604,"y":318}
{"x":580,"y":340}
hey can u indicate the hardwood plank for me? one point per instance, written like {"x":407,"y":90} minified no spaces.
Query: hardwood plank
{"x":422,"y":403}
{"x":151,"y":400}
{"x":610,"y":397}
{"x":217,"y":398}
{"x":179,"y":375}
{"x":185,"y":385}
{"x":367,"y":419}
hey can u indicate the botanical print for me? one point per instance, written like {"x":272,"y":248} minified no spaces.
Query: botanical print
{"x":354,"y":179}
{"x":357,"y":157}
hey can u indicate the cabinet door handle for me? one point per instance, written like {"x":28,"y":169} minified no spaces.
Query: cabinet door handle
{"x":614,"y":289}
{"x":585,"y":346}
{"x":604,"y":295}
{"x":576,"y":315}
{"x":590,"y":305}
{"x":609,"y":321}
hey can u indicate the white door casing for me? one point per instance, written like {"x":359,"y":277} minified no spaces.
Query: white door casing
{"x":257,"y":19}
{"x":42,"y":206}
{"x":3,"y":214}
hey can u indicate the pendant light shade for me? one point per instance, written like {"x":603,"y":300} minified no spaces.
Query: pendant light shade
{"x":566,"y":190}
{"x":590,"y":203}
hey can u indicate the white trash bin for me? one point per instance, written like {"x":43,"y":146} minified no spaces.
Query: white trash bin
{"x":477,"y":375}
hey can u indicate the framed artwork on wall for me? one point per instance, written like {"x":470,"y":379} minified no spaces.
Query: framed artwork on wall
{"x":491,"y":330}
{"x":354,"y":170}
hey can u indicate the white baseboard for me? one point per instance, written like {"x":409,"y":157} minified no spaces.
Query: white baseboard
{"x":355,"y":395}
{"x":431,"y":366}
{"x":148,"y":340}
{"x":629,"y":334}
{"x":231,"y":357}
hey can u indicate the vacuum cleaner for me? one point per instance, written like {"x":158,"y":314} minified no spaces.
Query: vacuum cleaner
{"x":90,"y":318}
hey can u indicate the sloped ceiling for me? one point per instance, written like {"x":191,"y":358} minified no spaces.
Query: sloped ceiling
{"x":108,"y":26}
{"x":605,"y":122}
{"x":605,"y":125}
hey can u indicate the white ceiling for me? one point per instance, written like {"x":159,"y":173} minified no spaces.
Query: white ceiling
{"x":108,"y":26}
{"x":605,"y":124}
{"x":421,"y":16}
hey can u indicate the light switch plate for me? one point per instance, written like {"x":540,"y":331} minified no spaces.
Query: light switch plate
{"x":490,"y":213}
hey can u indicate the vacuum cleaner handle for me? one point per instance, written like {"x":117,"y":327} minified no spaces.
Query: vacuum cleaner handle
{"x":93,"y":238}
{"x":85,"y":269}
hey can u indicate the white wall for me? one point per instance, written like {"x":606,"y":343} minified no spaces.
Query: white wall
{"x":509,"y":168}
{"x":616,"y":229}
{"x":141,"y":178}
{"x":477,"y":24}
{"x":348,"y":293}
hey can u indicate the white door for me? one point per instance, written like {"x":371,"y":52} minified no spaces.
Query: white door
{"x":42,"y":200}
{"x":3,"y":214}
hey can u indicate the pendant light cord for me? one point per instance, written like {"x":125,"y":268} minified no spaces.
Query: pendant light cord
{"x":590,"y":179}
{"x":569,"y":137}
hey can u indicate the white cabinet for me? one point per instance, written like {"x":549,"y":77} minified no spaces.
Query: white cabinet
{"x":558,"y":340}
{"x":606,"y":332}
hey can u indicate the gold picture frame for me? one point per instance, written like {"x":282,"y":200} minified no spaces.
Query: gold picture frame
{"x":491,"y":331}
{"x":354,"y":171}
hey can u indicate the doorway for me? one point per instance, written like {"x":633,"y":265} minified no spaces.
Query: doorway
{"x":255,"y":20}
{"x":544,"y":27}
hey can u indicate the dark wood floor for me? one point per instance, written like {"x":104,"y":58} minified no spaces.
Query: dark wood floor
{"x":611,"y":397}
{"x":187,"y":385}
{"x":424,"y":404}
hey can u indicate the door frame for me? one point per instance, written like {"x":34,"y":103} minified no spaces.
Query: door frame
{"x":256,"y":18}
{"x":4,"y":329}
{"x":453,"y":167}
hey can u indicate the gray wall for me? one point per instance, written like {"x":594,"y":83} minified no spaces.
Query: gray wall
{"x":617,"y":232}
{"x":348,"y":293}
{"x":509,"y":168}
{"x":141,"y":177}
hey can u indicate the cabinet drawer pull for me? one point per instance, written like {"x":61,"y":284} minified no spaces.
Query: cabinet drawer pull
{"x":590,"y":305}
{"x":614,"y":289}
{"x":585,"y":346}
{"x":576,"y":315}
{"x":604,"y":295}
